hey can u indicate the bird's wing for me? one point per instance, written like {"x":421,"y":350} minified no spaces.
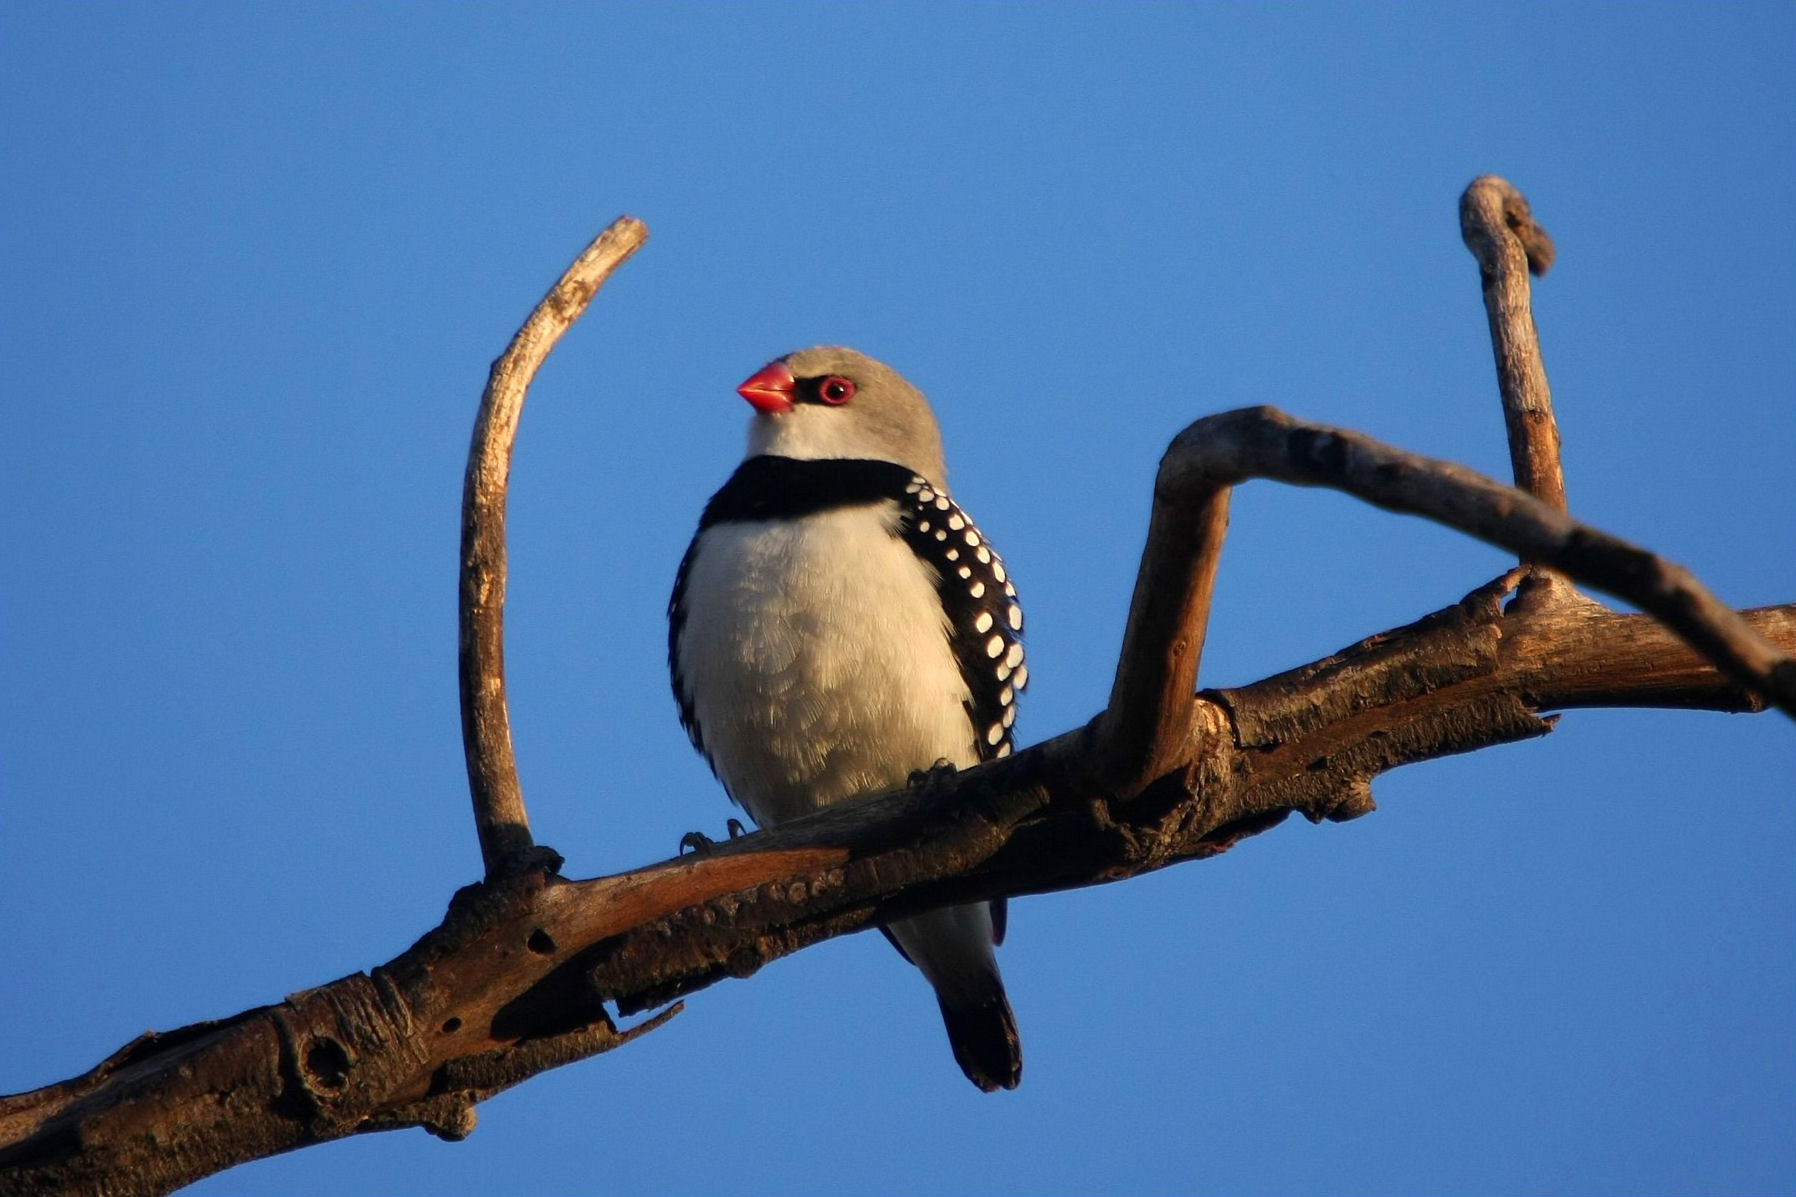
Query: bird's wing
{"x":984,"y":622}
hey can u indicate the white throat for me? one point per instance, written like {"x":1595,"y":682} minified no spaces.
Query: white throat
{"x":812,"y":433}
{"x":806,"y":432}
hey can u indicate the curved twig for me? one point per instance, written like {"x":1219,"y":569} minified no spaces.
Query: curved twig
{"x":499,"y":816}
{"x":1261,"y":442}
{"x":1148,"y":722}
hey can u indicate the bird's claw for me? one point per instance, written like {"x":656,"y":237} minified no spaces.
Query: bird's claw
{"x":702,"y":844}
{"x":943,"y":767}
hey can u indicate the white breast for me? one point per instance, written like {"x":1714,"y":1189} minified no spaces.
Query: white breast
{"x":817,"y":657}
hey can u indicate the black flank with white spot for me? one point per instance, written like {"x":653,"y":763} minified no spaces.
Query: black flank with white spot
{"x":984,"y":619}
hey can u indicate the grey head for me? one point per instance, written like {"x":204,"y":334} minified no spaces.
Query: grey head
{"x":832,"y":401}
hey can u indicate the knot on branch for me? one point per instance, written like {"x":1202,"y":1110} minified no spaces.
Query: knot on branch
{"x":1349,"y":802}
{"x":1492,"y":206}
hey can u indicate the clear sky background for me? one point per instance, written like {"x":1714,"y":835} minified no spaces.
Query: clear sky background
{"x":255,"y":260}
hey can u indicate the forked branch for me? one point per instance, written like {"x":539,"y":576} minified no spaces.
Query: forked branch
{"x":518,"y":976}
{"x":1151,"y":702}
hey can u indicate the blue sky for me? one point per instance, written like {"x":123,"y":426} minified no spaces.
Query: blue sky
{"x":254,"y":261}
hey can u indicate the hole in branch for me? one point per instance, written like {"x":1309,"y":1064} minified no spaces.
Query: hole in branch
{"x":451,"y":1026}
{"x":327,"y":1062}
{"x":540,"y":943}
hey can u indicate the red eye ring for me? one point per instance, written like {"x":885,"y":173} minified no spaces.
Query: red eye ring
{"x":835,"y":390}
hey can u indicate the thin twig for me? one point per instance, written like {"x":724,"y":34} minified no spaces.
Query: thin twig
{"x":1262,"y":442}
{"x":1501,"y":233}
{"x":499,"y":816}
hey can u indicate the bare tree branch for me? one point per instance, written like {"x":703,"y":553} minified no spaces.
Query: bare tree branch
{"x":521,"y":974}
{"x":517,"y":977}
{"x":499,"y":816}
{"x":1150,"y":712}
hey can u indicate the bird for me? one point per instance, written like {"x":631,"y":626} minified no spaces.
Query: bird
{"x":839,"y":626}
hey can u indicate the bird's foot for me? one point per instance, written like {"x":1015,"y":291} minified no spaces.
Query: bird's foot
{"x":702,"y":844}
{"x":943,"y":767}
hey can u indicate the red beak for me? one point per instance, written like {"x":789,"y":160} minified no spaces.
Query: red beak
{"x":770,"y":389}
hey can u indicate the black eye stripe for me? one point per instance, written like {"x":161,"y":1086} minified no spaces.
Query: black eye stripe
{"x":829,"y":390}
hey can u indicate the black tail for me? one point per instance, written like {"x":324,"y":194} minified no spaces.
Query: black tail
{"x":982,"y":1032}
